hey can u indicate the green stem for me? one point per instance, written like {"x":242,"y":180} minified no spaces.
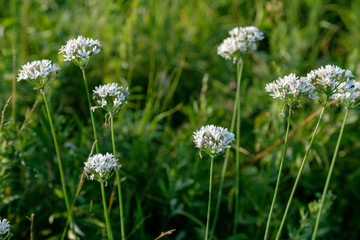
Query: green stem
{"x":237,"y":163}
{"x":209,"y":203}
{"x":329,"y":175}
{"x":279,"y":176}
{"x":13,"y":109}
{"x":106,"y":213}
{"x":223,"y":172}
{"x":119,"y":182}
{"x":59,"y":163}
{"x":91,"y":112}
{"x":94,"y":131}
{"x":300,"y":170}
{"x":7,"y":236}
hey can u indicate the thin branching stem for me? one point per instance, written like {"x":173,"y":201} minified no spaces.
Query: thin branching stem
{"x":239,"y":67}
{"x":91,"y":112}
{"x":209,"y":202}
{"x":118,"y":182}
{"x":59,"y":163}
{"x":106,"y":213}
{"x":329,"y":174}
{"x":300,"y":170}
{"x":279,"y":176}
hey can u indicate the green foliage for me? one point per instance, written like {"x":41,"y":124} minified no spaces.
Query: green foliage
{"x":308,"y":218}
{"x":165,"y":52}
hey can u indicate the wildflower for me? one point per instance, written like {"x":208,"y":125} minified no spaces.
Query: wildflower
{"x":212,"y":139}
{"x":348,"y":93}
{"x":4,"y":226}
{"x":241,"y":40}
{"x":327,"y":79}
{"x":101,"y":166}
{"x":110,"y":97}
{"x":292,"y":89}
{"x":80,"y":50}
{"x":37,"y":72}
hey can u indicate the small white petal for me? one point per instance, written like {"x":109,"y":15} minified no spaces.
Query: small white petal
{"x":4,"y":226}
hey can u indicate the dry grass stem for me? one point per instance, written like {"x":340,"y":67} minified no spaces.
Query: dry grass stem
{"x":31,"y":219}
{"x":3,"y":112}
{"x":165,"y":233}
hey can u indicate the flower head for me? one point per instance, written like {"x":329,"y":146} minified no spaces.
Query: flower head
{"x":80,"y":50}
{"x":327,"y":79}
{"x":4,"y":226}
{"x":241,"y":40}
{"x":348,"y":93}
{"x":37,"y":72}
{"x":291,"y":89}
{"x":213,"y":140}
{"x":101,"y":167}
{"x":110,"y":97}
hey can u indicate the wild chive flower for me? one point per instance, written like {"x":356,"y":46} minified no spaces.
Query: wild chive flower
{"x":327,"y":79}
{"x":213,"y":140}
{"x":37,"y":72}
{"x":241,"y":40}
{"x":100,"y":167}
{"x":110,"y":97}
{"x":291,"y":89}
{"x":348,"y":93}
{"x":80,"y":50}
{"x":4,"y":226}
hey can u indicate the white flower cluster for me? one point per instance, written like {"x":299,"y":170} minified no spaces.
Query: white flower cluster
{"x":100,"y":167}
{"x":212,"y":139}
{"x":290,"y":87}
{"x":80,"y":50}
{"x":241,"y":40}
{"x":110,"y":97}
{"x":4,"y":226}
{"x":37,"y":71}
{"x":327,"y":79}
{"x":348,"y":92}
{"x":336,"y":83}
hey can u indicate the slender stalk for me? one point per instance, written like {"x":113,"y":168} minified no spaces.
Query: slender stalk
{"x":239,"y":67}
{"x":106,"y":213}
{"x":59,"y":163}
{"x":91,"y":112}
{"x":300,"y":170}
{"x":7,"y":235}
{"x":279,"y":176}
{"x":223,"y":172}
{"x":209,"y":203}
{"x":94,"y":131}
{"x":119,"y":182}
{"x":13,"y":109}
{"x":329,"y":175}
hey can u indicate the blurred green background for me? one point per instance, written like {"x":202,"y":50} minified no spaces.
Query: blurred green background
{"x":165,"y":52}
